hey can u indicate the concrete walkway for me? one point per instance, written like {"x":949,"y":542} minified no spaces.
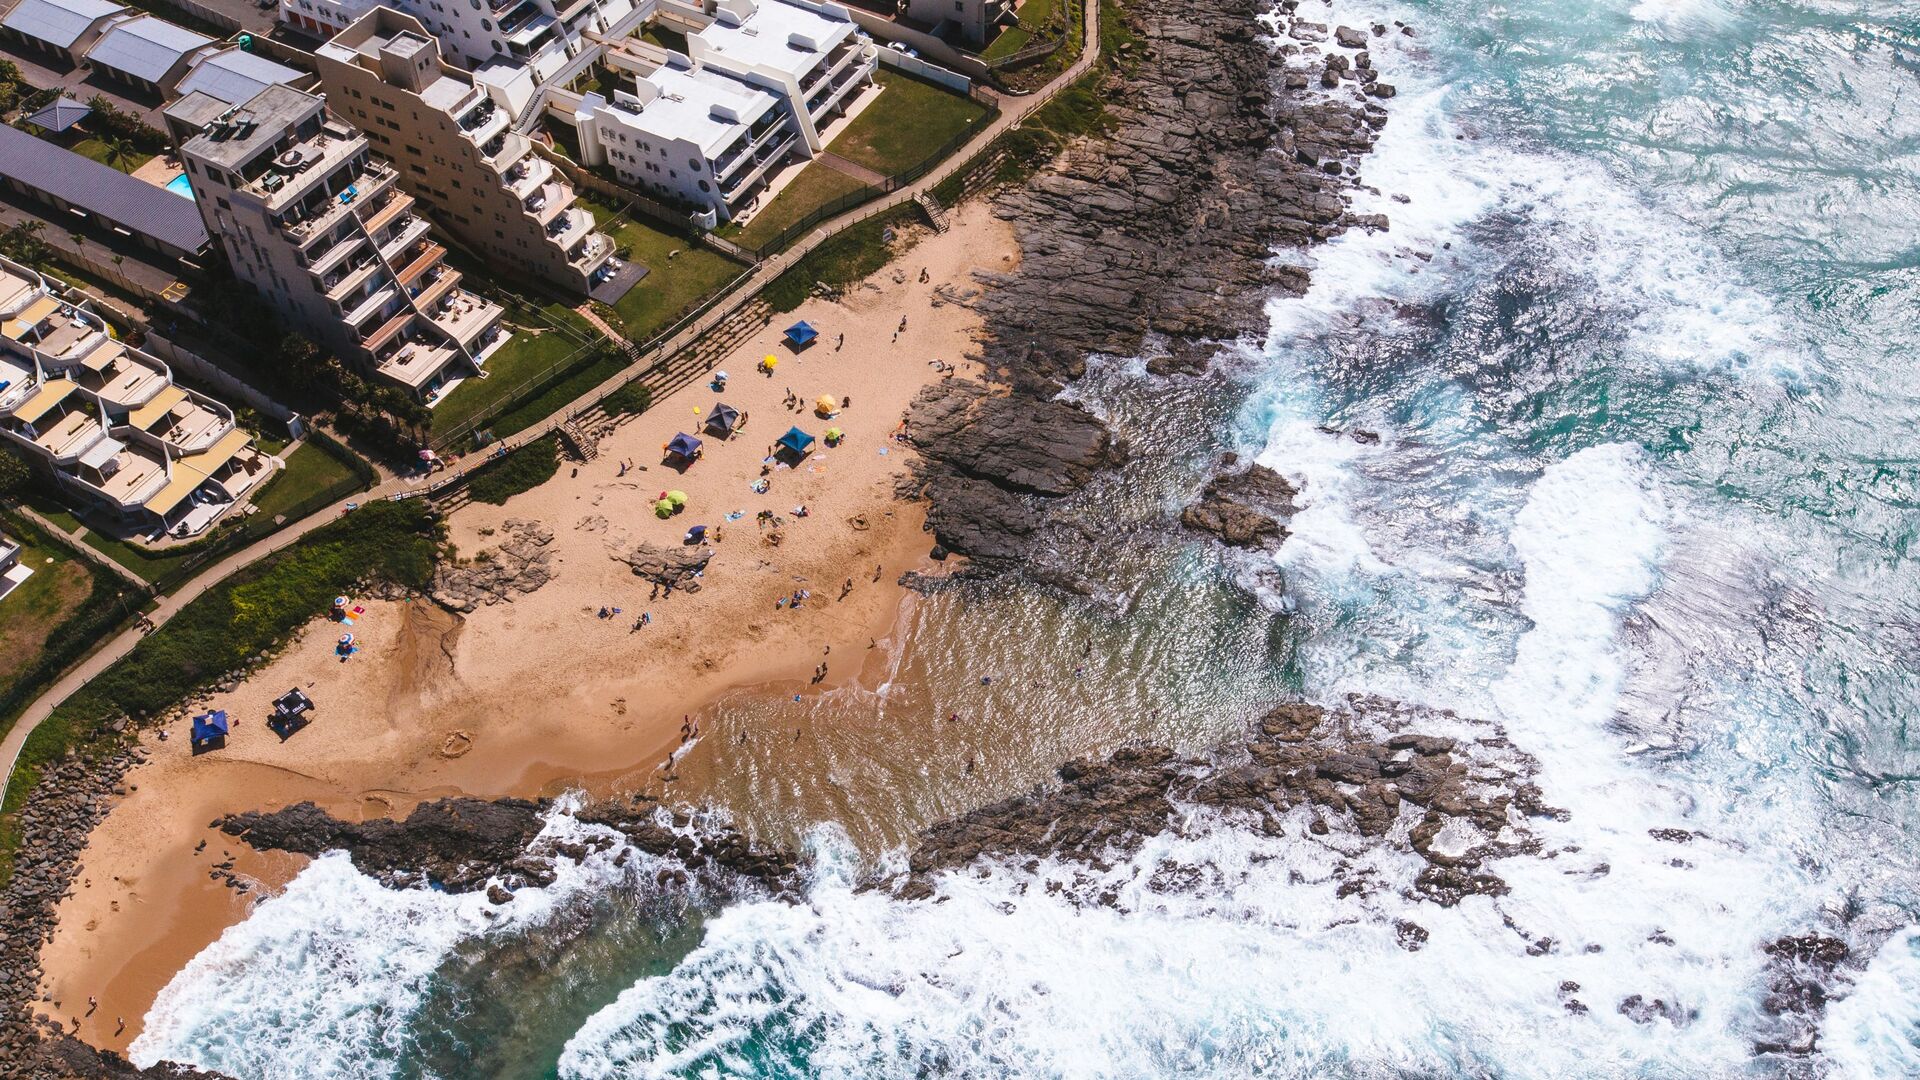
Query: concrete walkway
{"x":1012,"y":113}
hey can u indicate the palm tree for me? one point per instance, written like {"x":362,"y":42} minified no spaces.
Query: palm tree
{"x":119,"y":151}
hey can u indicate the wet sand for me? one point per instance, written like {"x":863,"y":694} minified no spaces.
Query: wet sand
{"x":541,"y":694}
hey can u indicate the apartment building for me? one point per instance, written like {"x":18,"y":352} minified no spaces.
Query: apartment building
{"x":321,"y":228}
{"x":810,"y":54}
{"x":451,"y":141}
{"x":687,"y":133}
{"x":106,"y":421}
{"x":12,"y":573}
{"x":972,"y":22}
{"x":540,"y":34}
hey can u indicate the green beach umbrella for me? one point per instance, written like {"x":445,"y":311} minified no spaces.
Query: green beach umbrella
{"x":678,"y":499}
{"x":663,"y":509}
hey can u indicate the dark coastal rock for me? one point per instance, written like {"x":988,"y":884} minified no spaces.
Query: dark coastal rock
{"x":1336,"y":765}
{"x":1161,"y":228}
{"x":519,"y":565}
{"x":1244,"y":509}
{"x":1802,"y":972}
{"x":675,"y":567}
{"x":454,"y":844}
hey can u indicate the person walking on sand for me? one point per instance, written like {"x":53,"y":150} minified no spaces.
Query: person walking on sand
{"x":839,"y":341}
{"x":92,"y":1004}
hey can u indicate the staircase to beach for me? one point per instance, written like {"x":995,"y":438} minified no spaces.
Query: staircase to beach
{"x":935,"y":213}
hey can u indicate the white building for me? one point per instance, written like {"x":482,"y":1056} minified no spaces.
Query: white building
{"x":321,"y":229}
{"x":106,"y":421}
{"x":476,"y":34}
{"x":12,"y":573}
{"x":973,"y":22}
{"x":688,"y":134}
{"x":810,"y":54}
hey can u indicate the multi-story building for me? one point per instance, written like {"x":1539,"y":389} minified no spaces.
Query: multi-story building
{"x":451,"y":141}
{"x":540,"y":34}
{"x":106,"y":421}
{"x":972,"y":22}
{"x":809,"y":53}
{"x":12,"y":574}
{"x":322,"y":230}
{"x":687,"y":133}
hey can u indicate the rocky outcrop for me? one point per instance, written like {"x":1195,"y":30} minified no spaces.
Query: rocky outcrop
{"x":677,"y":568}
{"x":520,"y":564}
{"x":1802,"y":971}
{"x":465,"y":845}
{"x":1364,"y":767}
{"x":1161,"y":229}
{"x":1245,"y":509}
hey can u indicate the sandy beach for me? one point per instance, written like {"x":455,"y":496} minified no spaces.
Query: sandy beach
{"x":542,"y":693}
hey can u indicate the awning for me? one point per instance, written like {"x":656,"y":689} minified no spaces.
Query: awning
{"x":683,"y":445}
{"x":796,"y":440}
{"x":195,"y":469}
{"x":102,"y":452}
{"x":801,"y":334}
{"x":101,"y":358}
{"x":722,"y":417}
{"x":42,"y":402}
{"x":149,"y":414}
{"x":18,"y":326}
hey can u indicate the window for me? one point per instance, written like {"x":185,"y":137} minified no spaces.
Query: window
{"x":704,"y":186}
{"x":694,"y":164}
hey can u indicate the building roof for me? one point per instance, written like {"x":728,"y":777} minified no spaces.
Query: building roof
{"x":62,"y":114}
{"x":706,"y":109}
{"x":273,"y":111}
{"x":58,"y":22}
{"x":193,"y":470}
{"x":146,"y":48}
{"x":136,"y":205}
{"x":780,"y":36}
{"x":236,"y":77}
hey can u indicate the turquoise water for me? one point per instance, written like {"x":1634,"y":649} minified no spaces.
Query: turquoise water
{"x":181,"y":186}
{"x":1638,"y":348}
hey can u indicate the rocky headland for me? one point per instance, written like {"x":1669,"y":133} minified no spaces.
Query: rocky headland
{"x":1223,"y":145}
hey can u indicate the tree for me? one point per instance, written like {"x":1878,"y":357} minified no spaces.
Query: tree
{"x":119,"y":151}
{"x":14,"y":474}
{"x":22,"y":244}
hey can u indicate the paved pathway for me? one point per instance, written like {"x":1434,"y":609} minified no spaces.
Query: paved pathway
{"x":1013,"y":111}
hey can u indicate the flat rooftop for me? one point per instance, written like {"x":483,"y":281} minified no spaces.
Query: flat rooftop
{"x":698,"y":107}
{"x":275,"y":112}
{"x":778,"y":35}
{"x":443,"y":92}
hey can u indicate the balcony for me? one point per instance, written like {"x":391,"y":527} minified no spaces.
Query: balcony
{"x":569,"y":227}
{"x":319,"y":217}
{"x":594,"y":249}
{"x":354,"y":279}
{"x":335,"y":256}
{"x":389,"y":330}
{"x":121,"y":381}
{"x":379,"y":219}
{"x":70,"y":436}
{"x":372,"y":305}
{"x":132,"y":476}
{"x":416,"y":363}
{"x":191,"y":426}
{"x":548,"y":203}
{"x":462,"y":315}
{"x":528,"y":174}
{"x":484,"y":122}
{"x":294,"y":171}
{"x":404,"y":235}
{"x":422,"y":260}
{"x":439,"y":282}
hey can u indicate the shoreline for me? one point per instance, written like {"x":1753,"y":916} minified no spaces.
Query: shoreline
{"x":540,"y":693}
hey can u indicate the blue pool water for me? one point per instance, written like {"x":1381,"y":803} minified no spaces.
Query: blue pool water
{"x":181,"y":186}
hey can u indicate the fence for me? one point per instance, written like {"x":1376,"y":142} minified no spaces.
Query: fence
{"x":203,"y":370}
{"x":921,"y":69}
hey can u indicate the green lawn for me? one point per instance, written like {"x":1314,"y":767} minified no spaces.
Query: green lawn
{"x":309,"y":469}
{"x":532,"y":351}
{"x":133,"y":558}
{"x":816,"y":186}
{"x":96,"y":149}
{"x":58,"y":589}
{"x":655,"y":34}
{"x":555,"y":396}
{"x":909,"y":123}
{"x":1034,"y":13}
{"x":674,"y":284}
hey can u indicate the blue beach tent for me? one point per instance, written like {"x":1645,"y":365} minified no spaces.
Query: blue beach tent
{"x":800,"y":335}
{"x":683,"y":445}
{"x":796,"y":441}
{"x":209,"y":726}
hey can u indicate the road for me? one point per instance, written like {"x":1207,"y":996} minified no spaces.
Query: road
{"x":1017,"y":110}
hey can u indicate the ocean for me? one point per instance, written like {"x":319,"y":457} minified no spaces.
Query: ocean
{"x":1638,"y":353}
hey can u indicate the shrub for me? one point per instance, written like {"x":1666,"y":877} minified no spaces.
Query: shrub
{"x":635,"y":397}
{"x":523,"y":470}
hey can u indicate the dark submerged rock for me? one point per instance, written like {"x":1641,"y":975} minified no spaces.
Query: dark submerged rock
{"x":1244,"y":509}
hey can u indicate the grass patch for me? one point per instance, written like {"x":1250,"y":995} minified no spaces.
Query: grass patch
{"x":538,"y":344}
{"x":816,"y":186}
{"x":555,"y":395}
{"x":523,"y":470}
{"x":843,"y":260}
{"x":58,"y":590}
{"x":910,"y":122}
{"x":97,"y":149}
{"x":683,"y":273}
{"x":1034,"y":13}
{"x":310,"y":469}
{"x":655,"y":34}
{"x":250,"y":613}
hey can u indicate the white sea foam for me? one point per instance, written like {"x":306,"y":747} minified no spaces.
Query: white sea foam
{"x":321,"y":980}
{"x":1875,"y":1030}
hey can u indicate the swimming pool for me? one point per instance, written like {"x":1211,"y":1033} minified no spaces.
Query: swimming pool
{"x":181,"y":186}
